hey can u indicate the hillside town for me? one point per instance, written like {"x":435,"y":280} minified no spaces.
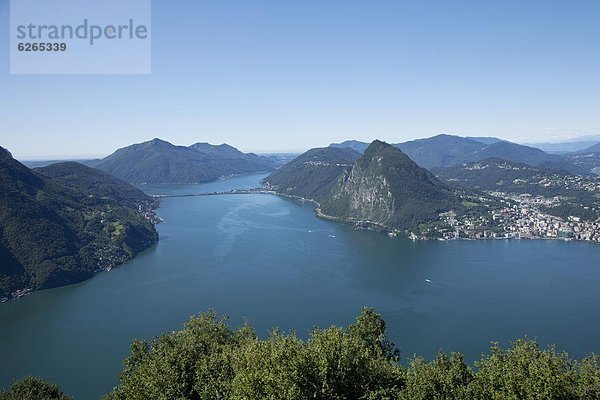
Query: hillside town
{"x":517,"y":217}
{"x":562,"y":181}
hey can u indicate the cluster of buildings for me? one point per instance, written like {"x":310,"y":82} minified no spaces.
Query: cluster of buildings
{"x":517,"y":217}
{"x":109,"y":255}
{"x":325,"y":164}
{"x":17,"y":294}
{"x":454,"y":227}
{"x":526,"y":222}
{"x":147,"y":210}
{"x":569,"y":182}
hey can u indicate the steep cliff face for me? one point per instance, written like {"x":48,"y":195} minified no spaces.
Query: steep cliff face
{"x":361,"y":194}
{"x":386,"y":187}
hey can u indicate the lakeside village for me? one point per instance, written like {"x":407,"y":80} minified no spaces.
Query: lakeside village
{"x":147,"y":209}
{"x":108,"y":256}
{"x":518,"y":216}
{"x":523,"y":215}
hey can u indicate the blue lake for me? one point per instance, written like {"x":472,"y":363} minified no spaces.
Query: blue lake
{"x":271,"y":261}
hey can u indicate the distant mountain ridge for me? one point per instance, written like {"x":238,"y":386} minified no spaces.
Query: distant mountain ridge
{"x":45,"y":163}
{"x":60,"y":224}
{"x":441,"y":150}
{"x":485,"y":139}
{"x":444,"y":151}
{"x":573,"y":145}
{"x":592,"y":149}
{"x":158,"y":161}
{"x":351,"y":144}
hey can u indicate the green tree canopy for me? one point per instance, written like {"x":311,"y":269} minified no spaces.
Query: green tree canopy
{"x":208,"y":360}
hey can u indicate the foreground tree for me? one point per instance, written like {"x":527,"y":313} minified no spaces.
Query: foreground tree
{"x":446,"y":377}
{"x":207,"y":360}
{"x":527,"y":372}
{"x":30,"y":388}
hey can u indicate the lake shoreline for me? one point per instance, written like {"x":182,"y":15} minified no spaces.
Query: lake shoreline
{"x":393,"y":232}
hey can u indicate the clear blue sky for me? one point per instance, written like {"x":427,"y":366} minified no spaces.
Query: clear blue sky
{"x":294,"y":74}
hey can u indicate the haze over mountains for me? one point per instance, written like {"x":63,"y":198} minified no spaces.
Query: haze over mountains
{"x":60,"y":224}
{"x":158,"y":161}
{"x":444,"y":151}
{"x":592,"y":149}
{"x":577,"y":144}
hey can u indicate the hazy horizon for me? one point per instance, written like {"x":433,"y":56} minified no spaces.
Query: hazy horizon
{"x":289,"y":76}
{"x":76,"y":157}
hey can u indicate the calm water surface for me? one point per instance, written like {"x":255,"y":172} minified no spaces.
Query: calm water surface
{"x":270,"y":260}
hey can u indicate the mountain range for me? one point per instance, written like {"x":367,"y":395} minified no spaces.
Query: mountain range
{"x":443,"y":151}
{"x":158,"y":161}
{"x":592,"y":149}
{"x":573,"y":145}
{"x":60,"y":224}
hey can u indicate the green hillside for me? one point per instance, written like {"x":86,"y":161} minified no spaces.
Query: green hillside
{"x":60,"y":224}
{"x":312,"y":174}
{"x":494,"y":174}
